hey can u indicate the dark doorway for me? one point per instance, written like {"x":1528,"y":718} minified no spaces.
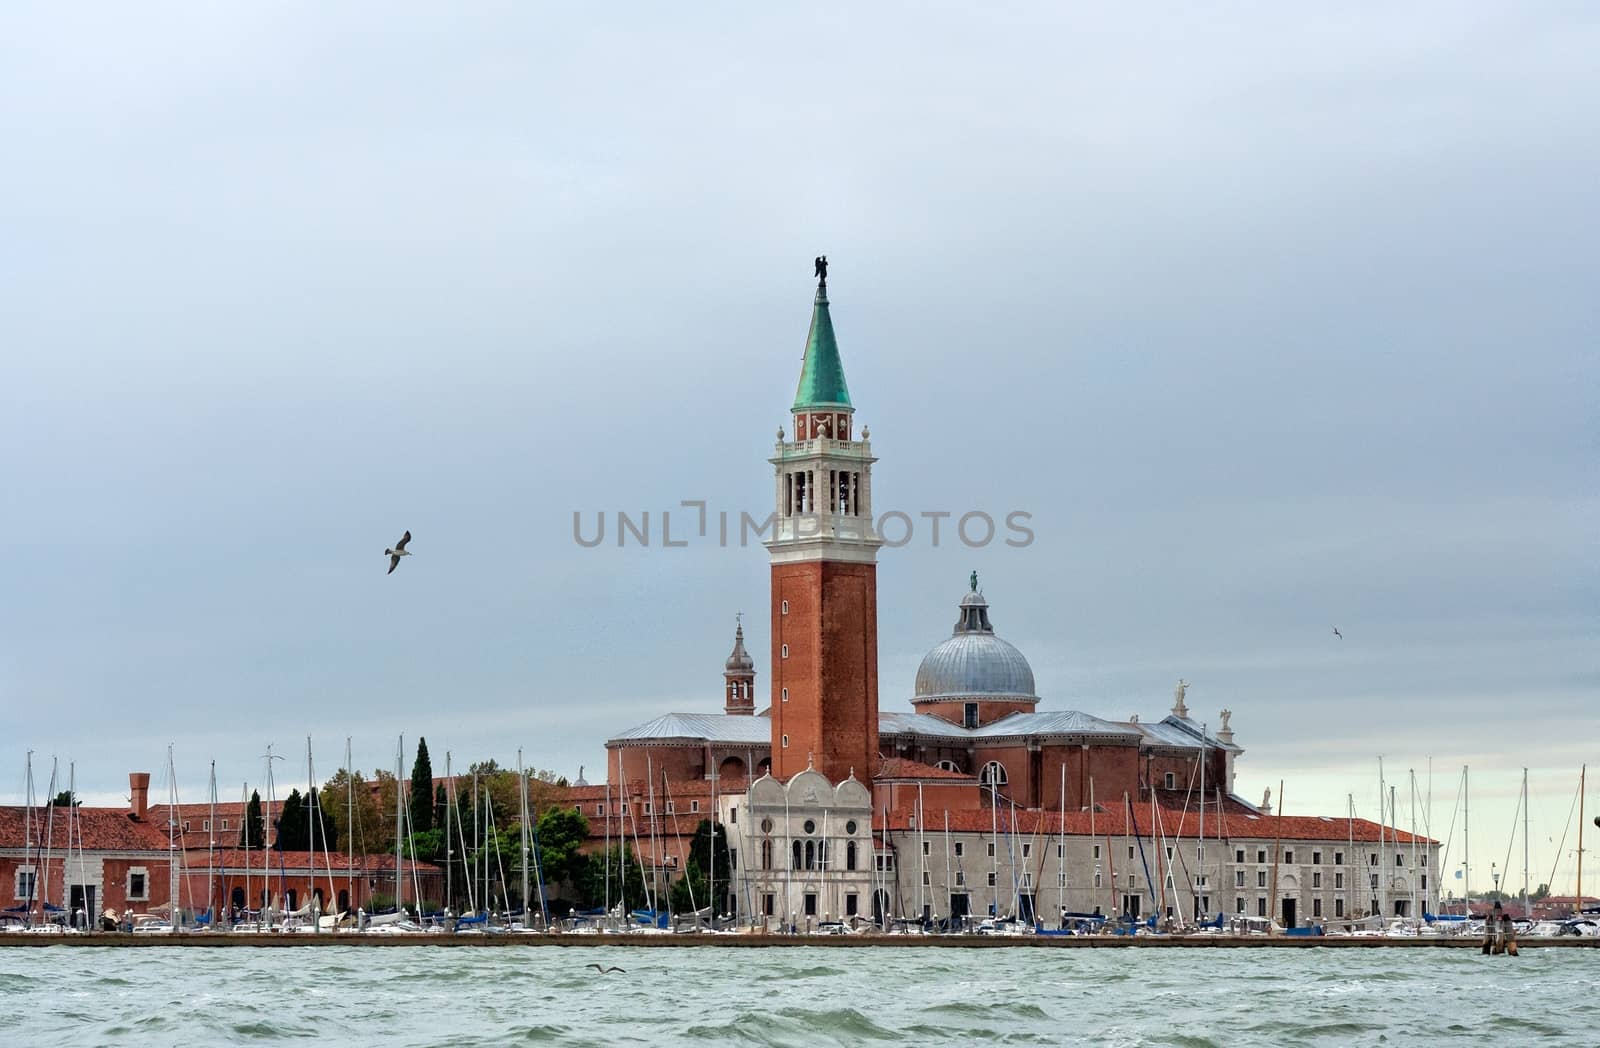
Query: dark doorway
{"x":1025,"y":909}
{"x":82,"y":899}
{"x":294,"y":899}
{"x":1288,"y":913}
{"x":880,"y":907}
{"x":1130,"y":905}
{"x":237,"y":896}
{"x":344,"y":899}
{"x":960,"y":905}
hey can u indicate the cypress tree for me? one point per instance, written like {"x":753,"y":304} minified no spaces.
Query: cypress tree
{"x":253,"y":833}
{"x":294,"y":824}
{"x":421,"y":799}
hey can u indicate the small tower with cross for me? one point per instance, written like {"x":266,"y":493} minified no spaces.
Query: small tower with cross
{"x":739,"y":675}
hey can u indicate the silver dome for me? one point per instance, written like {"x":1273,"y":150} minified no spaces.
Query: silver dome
{"x":974,"y":663}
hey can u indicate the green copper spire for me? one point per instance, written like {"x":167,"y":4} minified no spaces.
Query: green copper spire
{"x":822,"y":374}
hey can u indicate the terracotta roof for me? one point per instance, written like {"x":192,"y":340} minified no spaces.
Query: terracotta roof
{"x":103,"y":829}
{"x":904,"y":768}
{"x":696,"y":789}
{"x":1173,"y":824}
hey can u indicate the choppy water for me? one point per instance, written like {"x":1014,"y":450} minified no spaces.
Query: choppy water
{"x":545,"y":995}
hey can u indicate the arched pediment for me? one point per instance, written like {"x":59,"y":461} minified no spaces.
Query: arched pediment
{"x":852,"y":793}
{"x":810,"y":787}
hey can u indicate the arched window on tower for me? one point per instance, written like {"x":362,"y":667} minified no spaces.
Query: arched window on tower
{"x":797,"y":855}
{"x":994,"y":775}
{"x":766,"y":855}
{"x":811,"y":855}
{"x":850,"y":855}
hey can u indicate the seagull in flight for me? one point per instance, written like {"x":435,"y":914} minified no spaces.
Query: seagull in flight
{"x":1336,"y":632}
{"x":399,"y":551}
{"x":606,"y":971}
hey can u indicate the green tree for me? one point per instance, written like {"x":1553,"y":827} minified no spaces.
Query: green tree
{"x":625,"y":880}
{"x":253,"y":834}
{"x":371,"y":833}
{"x":294,"y":827}
{"x":421,"y":795}
{"x":387,"y":792}
{"x":693,"y":890}
{"x":562,"y":833}
{"x":65,"y":799}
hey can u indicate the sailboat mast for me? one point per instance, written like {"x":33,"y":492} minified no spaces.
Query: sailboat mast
{"x":399,"y":830}
{"x":1383,"y":880}
{"x":527,"y":845}
{"x":949,"y":890}
{"x":175,"y":919}
{"x":1466,"y":836}
{"x":244,"y":806}
{"x":1577,"y":908}
{"x":350,"y":825}
{"x":211,"y":842}
{"x":311,"y":840}
{"x":50,"y":837}
{"x":1394,"y":829}
{"x":1350,"y":821}
{"x":1200,"y":851}
{"x":1061,"y":842}
{"x":606,"y":854}
{"x":1525,"y":850}
{"x":1277,"y":854}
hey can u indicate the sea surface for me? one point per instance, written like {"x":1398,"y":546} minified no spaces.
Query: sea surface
{"x":733,"y":996}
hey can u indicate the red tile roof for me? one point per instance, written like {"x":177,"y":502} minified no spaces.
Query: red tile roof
{"x":900,"y":768}
{"x":102,"y":829}
{"x":1171,"y":824}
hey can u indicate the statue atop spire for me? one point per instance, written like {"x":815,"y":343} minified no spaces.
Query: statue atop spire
{"x":821,"y":270}
{"x":973,"y":582}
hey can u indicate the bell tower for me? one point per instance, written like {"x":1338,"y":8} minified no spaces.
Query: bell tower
{"x":739,"y":678}
{"x":824,"y":554}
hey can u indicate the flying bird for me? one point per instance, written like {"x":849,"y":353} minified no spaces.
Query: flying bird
{"x":606,"y":971}
{"x":1336,"y":632}
{"x":399,"y":551}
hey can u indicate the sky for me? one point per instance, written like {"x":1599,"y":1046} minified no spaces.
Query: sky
{"x":1270,"y":318}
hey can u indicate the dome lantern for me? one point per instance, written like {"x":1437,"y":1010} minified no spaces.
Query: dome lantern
{"x":973,"y":676}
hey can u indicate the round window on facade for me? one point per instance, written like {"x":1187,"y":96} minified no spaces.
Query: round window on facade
{"x":850,"y":828}
{"x":810,"y":827}
{"x":766,"y":825}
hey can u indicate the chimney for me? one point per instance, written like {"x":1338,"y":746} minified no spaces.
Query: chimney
{"x":138,"y":793}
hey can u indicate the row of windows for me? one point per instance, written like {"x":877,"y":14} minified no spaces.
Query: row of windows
{"x":136,"y":887}
{"x":1261,"y":906}
{"x":649,"y":809}
{"x":205,"y":824}
{"x":1316,"y":857}
{"x":769,"y":904}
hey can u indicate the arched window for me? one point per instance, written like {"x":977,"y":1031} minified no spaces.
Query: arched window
{"x":811,"y":855}
{"x":994,"y":774}
{"x":949,"y":765}
{"x":797,"y":855}
{"x":766,"y":855}
{"x":850,"y":855}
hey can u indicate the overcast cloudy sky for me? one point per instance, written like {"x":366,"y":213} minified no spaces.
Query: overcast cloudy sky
{"x":1274,"y":318}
